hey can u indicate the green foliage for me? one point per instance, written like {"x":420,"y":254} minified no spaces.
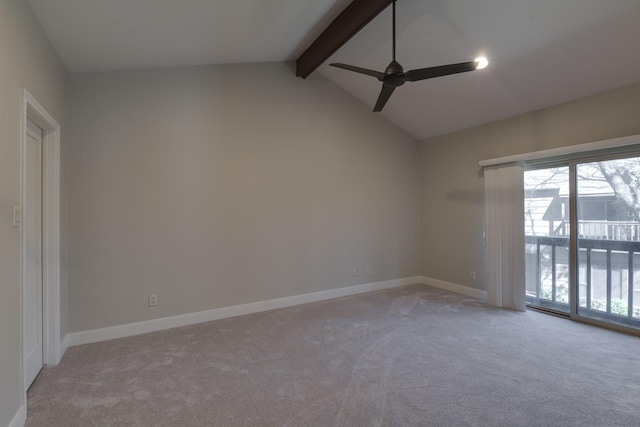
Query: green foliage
{"x":618,"y":307}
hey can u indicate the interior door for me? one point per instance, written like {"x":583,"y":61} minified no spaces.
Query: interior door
{"x":32,"y":223}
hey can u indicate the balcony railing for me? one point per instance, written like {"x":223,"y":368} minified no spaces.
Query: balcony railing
{"x":607,"y":274}
{"x":609,"y":230}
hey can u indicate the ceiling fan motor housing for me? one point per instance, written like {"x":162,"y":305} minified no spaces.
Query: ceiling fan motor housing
{"x":394,"y":75}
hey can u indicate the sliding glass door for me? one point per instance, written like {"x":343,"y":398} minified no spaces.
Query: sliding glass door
{"x":608,"y":209}
{"x":582,"y":239}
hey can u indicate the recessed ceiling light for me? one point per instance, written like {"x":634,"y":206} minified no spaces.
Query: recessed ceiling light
{"x":482,"y":62}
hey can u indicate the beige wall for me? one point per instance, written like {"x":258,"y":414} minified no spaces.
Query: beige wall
{"x":221,"y":185}
{"x":453,"y":186}
{"x":28,"y":61}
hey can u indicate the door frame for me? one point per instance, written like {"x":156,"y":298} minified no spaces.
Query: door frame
{"x":52,"y":347}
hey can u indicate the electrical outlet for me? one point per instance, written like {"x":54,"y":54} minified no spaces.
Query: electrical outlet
{"x":368,"y":269}
{"x":153,"y":300}
{"x":354,"y":272}
{"x":472,"y":275}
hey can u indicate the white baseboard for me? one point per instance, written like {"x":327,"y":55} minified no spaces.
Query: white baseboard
{"x":64,"y":345}
{"x":20,"y":418}
{"x":120,"y":331}
{"x":452,"y":287}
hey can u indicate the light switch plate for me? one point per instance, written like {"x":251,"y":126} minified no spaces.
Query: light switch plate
{"x":16,"y":216}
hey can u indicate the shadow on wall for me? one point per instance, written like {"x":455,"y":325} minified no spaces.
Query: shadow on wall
{"x":468,"y":196}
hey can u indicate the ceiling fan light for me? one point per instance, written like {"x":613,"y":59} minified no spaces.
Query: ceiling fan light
{"x":482,"y":62}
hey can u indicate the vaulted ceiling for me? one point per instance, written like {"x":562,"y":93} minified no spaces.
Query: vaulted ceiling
{"x":541,"y":52}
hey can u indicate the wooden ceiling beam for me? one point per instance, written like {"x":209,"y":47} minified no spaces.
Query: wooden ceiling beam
{"x":355,"y":16}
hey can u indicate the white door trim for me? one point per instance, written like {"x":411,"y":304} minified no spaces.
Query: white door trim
{"x":32,"y":110}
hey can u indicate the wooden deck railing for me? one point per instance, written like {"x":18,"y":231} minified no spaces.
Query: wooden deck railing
{"x":547,"y":254}
{"x":609,"y":230}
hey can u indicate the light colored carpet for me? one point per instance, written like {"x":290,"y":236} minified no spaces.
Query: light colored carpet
{"x":411,"y":356}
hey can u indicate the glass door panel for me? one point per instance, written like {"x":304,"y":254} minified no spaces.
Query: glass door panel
{"x":608,"y":222}
{"x":546,"y":218}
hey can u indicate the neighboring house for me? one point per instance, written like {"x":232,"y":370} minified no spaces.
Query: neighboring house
{"x":602,"y":214}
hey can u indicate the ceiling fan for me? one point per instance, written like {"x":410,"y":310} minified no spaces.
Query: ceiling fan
{"x":395,"y":76}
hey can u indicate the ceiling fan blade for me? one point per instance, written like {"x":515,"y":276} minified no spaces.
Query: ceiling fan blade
{"x":378,"y":75}
{"x":384,"y":96}
{"x":439,"y":71}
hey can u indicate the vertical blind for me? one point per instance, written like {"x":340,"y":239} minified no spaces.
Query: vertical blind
{"x":504,"y":197}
